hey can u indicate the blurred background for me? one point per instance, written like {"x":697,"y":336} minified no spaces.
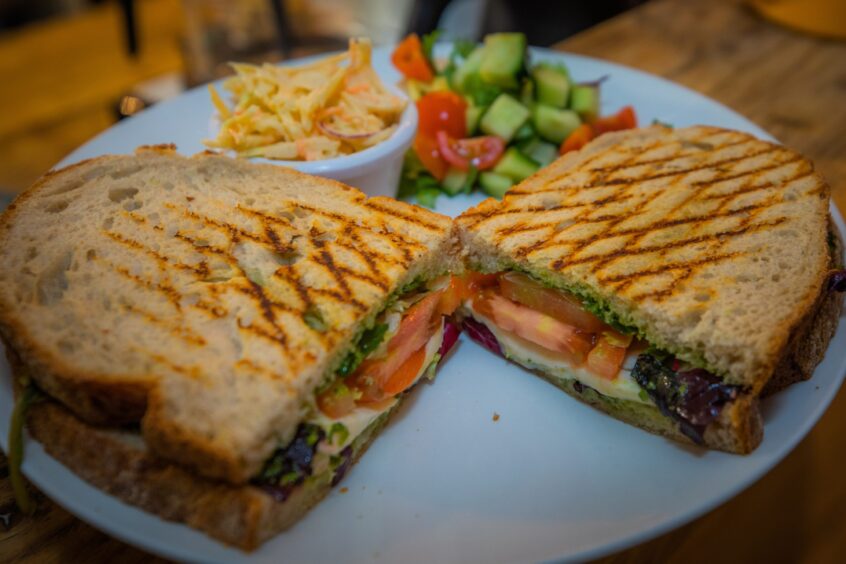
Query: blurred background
{"x":72,"y":68}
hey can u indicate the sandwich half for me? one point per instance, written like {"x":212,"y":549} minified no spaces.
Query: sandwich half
{"x":667,"y":277}
{"x":217,"y":341}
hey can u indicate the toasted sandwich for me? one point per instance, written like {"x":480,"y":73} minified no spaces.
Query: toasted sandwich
{"x":216,"y":341}
{"x":667,"y":277}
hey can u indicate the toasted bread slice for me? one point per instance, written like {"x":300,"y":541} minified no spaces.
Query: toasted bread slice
{"x":118,"y":462}
{"x":205,"y":297}
{"x":710,"y":242}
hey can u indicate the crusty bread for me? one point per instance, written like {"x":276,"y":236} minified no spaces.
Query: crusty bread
{"x":809,"y":341}
{"x":117,"y":462}
{"x":206,"y":297}
{"x":738,"y":429}
{"x":710,"y":242}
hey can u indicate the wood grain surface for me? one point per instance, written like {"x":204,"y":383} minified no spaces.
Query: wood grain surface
{"x":794,"y":86}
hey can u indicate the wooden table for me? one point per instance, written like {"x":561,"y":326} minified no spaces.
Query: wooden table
{"x":63,"y":79}
{"x":795,"y":87}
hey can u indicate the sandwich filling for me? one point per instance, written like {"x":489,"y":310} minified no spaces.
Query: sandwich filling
{"x":550,"y":330}
{"x":406,"y":342}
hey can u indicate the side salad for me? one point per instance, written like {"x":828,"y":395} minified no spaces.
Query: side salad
{"x":489,"y":118}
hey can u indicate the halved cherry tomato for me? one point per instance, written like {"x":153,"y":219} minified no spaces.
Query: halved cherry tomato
{"x":562,"y":306}
{"x":429,"y":154}
{"x":337,"y":400}
{"x":409,"y":59}
{"x":404,"y":376}
{"x":624,"y":119}
{"x":577,"y":139}
{"x":442,"y":110}
{"x":481,"y":152}
{"x":606,"y":358}
{"x":534,"y":326}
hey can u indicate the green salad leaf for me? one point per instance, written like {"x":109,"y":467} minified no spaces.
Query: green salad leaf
{"x":368,"y":341}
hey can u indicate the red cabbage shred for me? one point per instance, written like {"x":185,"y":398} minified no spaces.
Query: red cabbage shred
{"x":480,"y":333}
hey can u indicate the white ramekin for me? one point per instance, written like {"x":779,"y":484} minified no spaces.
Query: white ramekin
{"x":375,"y":170}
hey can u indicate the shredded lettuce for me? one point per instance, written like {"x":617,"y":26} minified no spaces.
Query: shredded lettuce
{"x":428,"y":43}
{"x":483,"y":94}
{"x":432,"y":369}
{"x":367,"y":342}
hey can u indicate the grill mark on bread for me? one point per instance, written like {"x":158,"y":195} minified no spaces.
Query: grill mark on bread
{"x":162,"y":261}
{"x":561,"y":263}
{"x":179,"y":331}
{"x":324,"y":256}
{"x":192,"y":371}
{"x":678,"y":172}
{"x":405,"y":244}
{"x":680,"y":270}
{"x":663,"y":160}
{"x":630,"y":277}
{"x":267,"y":311}
{"x":400,"y":215}
{"x":265,"y":305}
{"x":520,"y":228}
{"x":166,"y":290}
{"x":636,"y":180}
{"x":741,"y":174}
{"x":745,"y":189}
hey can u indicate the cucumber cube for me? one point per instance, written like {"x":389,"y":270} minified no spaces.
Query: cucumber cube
{"x":554,"y":124}
{"x":494,"y":184}
{"x":503,"y":59}
{"x":515,"y":165}
{"x":505,"y":116}
{"x":584,"y":100}
{"x":552,"y":86}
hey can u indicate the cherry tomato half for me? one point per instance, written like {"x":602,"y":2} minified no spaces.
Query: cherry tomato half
{"x":442,"y":111}
{"x":481,"y":152}
{"x":580,"y":137}
{"x":430,"y":155}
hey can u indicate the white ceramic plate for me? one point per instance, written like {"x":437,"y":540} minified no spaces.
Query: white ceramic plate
{"x":551,"y":479}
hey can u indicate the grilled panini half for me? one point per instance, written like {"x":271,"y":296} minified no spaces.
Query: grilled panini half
{"x":708,"y":245}
{"x":206,"y":298}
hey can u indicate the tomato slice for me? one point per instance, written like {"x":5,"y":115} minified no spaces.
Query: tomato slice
{"x":606,"y":358}
{"x":481,"y":152}
{"x":404,"y":376}
{"x":409,"y":59}
{"x":414,"y":332}
{"x":429,"y":153}
{"x":555,"y":303}
{"x":451,"y":296}
{"x":624,"y":119}
{"x":442,"y":110}
{"x":580,"y":137}
{"x":534,"y":326}
{"x":475,"y":281}
{"x":337,"y":400}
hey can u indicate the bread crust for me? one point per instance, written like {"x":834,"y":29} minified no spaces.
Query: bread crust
{"x":811,"y":337}
{"x":116,"y":462}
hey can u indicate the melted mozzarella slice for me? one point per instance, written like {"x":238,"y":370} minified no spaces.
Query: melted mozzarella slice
{"x":536,"y":357}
